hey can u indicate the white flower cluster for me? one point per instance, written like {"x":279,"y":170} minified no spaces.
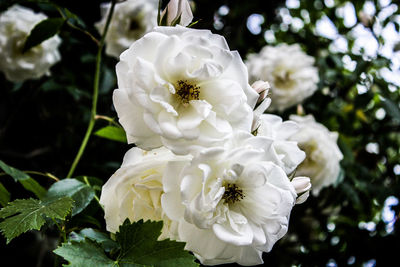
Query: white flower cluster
{"x":288,"y":69}
{"x":185,"y":101}
{"x":15,"y":25}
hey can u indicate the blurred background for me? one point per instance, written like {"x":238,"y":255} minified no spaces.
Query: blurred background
{"x":356,"y":45}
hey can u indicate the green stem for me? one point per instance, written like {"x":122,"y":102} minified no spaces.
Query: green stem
{"x":85,"y":178}
{"x":95,"y":94}
{"x":110,"y":120}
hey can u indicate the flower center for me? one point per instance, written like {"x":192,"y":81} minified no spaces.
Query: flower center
{"x":187,"y":92}
{"x":232,"y":194}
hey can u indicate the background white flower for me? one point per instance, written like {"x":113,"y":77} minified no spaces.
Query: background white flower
{"x":131,"y":20}
{"x":15,"y":25}
{"x":232,"y":203}
{"x":134,"y":190}
{"x":322,"y":152}
{"x":288,"y":154}
{"x":289,"y":71}
{"x":182,"y":88}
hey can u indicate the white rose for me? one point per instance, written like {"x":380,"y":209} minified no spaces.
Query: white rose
{"x":322,"y":152}
{"x":131,"y":20}
{"x":182,"y":88}
{"x":288,"y":154}
{"x":178,"y":11}
{"x":231,"y":203}
{"x":289,"y":71}
{"x":15,"y":25}
{"x":134,"y":190}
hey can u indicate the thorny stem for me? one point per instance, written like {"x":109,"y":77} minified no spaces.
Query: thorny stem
{"x":95,"y":94}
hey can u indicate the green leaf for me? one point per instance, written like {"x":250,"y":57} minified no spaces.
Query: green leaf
{"x":84,"y":254}
{"x":139,"y":246}
{"x":81,"y":193}
{"x":106,"y":242}
{"x":34,"y":187}
{"x":42,"y":31}
{"x":4,"y":195}
{"x":26,"y":181}
{"x":94,"y":182}
{"x":14,"y":173}
{"x":112,"y":133}
{"x":22,"y":215}
{"x":73,"y":17}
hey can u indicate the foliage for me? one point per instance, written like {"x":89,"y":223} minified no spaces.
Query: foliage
{"x":81,"y":193}
{"x":43,"y":31}
{"x":26,"y":181}
{"x":22,"y":215}
{"x":138,"y":246}
{"x":112,"y":133}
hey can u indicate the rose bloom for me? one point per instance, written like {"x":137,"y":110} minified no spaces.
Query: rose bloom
{"x":231,"y":203}
{"x":289,"y":71}
{"x":322,"y":152}
{"x":130,"y":21}
{"x":184,"y":89}
{"x":134,"y":190}
{"x":288,"y":154}
{"x":15,"y":25}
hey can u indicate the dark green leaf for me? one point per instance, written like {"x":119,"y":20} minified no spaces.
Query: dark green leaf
{"x":14,"y":173}
{"x":26,"y":181}
{"x":73,"y":17}
{"x":139,"y":246}
{"x":84,"y":254}
{"x":94,"y":182}
{"x":4,"y":195}
{"x":22,"y":215}
{"x":34,"y":187}
{"x":81,"y":193}
{"x":42,"y":31}
{"x":106,"y":242}
{"x":112,"y":133}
